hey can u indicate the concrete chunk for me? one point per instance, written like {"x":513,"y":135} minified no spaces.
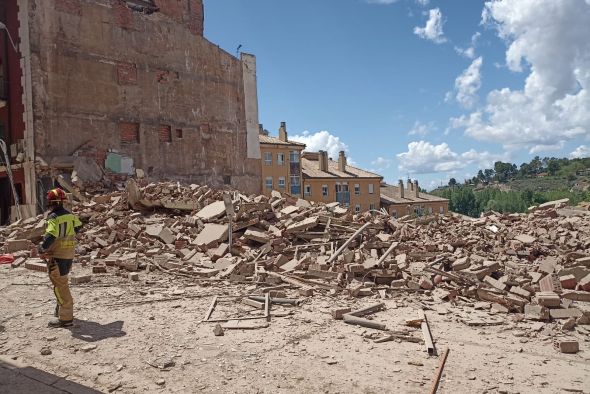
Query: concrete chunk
{"x":211,"y":234}
{"x":256,"y":235}
{"x":212,"y":211}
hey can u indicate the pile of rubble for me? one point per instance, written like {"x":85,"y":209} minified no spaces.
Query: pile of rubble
{"x":535,"y":265}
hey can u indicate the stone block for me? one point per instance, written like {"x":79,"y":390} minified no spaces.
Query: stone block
{"x":565,"y":313}
{"x":547,"y":298}
{"x":569,"y":346}
{"x":99,"y":269}
{"x":76,"y":280}
{"x":339,"y":312}
{"x":461,"y":264}
{"x":494,"y":283}
{"x":536,"y":312}
{"x":17,"y":245}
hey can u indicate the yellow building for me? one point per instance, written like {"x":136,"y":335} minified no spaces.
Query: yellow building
{"x":399,"y":201}
{"x":281,"y":163}
{"x":326,"y":180}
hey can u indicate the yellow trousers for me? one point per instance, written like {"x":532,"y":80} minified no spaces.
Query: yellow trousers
{"x":61,"y":289}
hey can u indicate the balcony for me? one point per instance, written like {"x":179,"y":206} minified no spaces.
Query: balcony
{"x":294,"y":168}
{"x":343,"y":198}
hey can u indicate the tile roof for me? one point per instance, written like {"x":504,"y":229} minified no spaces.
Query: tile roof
{"x":311,"y":169}
{"x":390,"y":194}
{"x":265,"y":139}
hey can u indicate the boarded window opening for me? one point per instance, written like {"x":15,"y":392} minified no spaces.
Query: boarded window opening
{"x":129,"y":132}
{"x":165,"y":133}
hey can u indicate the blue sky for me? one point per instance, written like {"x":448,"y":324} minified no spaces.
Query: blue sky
{"x":432,"y":89}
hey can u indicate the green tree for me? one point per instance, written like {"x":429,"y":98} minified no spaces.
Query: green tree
{"x":452,"y":182}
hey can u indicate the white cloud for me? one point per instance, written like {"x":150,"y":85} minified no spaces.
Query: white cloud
{"x":421,"y":129}
{"x":423,"y":3}
{"x":468,"y":83}
{"x":423,"y":157}
{"x":469,"y":52}
{"x":381,"y":163}
{"x":549,"y":39}
{"x":580,"y":152}
{"x":433,"y":30}
{"x":323,"y":140}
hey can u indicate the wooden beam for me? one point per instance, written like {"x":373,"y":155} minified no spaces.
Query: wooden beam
{"x":439,"y":372}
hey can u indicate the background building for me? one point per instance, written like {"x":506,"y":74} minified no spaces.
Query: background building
{"x":128,"y":85}
{"x":281,"y":163}
{"x":400,"y":201}
{"x":326,"y":180}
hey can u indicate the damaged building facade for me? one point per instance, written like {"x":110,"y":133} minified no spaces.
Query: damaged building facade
{"x":113,"y":86}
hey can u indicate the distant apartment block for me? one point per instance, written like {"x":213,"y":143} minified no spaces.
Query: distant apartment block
{"x":326,"y":180}
{"x":399,"y":201}
{"x":281,"y":163}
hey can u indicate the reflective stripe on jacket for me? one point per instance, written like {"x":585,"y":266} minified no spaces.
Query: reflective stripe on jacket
{"x":62,"y":226}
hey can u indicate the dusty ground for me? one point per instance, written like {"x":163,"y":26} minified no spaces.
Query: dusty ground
{"x":304,"y":352}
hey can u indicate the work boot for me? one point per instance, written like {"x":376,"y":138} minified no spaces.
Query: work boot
{"x":56,"y":323}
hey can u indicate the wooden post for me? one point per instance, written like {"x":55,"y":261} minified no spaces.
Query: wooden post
{"x":387,"y":253}
{"x":348,"y":241}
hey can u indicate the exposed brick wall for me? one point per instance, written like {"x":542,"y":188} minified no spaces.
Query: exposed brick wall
{"x":154,"y":73}
{"x":195,"y":23}
{"x":165,"y":133}
{"x":123,"y":16}
{"x":129,"y":132}
{"x":189,"y":12}
{"x":69,"y":6}
{"x":127,"y":74}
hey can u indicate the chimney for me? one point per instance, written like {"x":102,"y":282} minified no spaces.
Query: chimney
{"x":322,"y":160}
{"x":342,"y":161}
{"x":416,"y":189}
{"x":283,"y":132}
{"x":401,"y":188}
{"x":410,"y":185}
{"x":261,"y":130}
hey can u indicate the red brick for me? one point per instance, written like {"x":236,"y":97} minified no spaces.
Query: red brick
{"x":568,"y":282}
{"x":585,"y":283}
{"x":41,"y":267}
{"x":129,"y":132}
{"x":550,"y":283}
{"x":123,"y":15}
{"x":127,"y":74}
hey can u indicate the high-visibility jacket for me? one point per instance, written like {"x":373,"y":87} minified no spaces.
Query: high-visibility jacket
{"x":62,"y":225}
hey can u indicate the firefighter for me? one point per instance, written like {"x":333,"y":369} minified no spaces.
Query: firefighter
{"x":58,"y":248}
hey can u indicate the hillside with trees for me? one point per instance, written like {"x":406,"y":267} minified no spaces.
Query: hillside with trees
{"x":508,"y":188}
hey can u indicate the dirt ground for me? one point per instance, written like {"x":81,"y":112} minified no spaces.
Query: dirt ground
{"x":147,"y":336}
